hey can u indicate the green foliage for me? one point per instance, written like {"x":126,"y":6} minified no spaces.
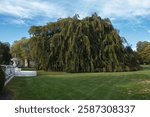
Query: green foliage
{"x":145,"y":54}
{"x":2,"y":80}
{"x":5,"y":55}
{"x":21,"y":49}
{"x":141,"y":45}
{"x":87,"y":45}
{"x":143,"y":51}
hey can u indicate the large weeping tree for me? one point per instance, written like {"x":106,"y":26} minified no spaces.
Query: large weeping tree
{"x":87,"y":45}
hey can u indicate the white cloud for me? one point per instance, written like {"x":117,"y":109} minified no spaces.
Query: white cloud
{"x":17,"y":21}
{"x":126,"y":8}
{"x":139,"y":3}
{"x":23,"y":9}
{"x":30,"y":9}
{"x":148,"y":31}
{"x":114,"y":8}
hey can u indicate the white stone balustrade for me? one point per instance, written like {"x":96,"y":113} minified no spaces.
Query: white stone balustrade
{"x":25,"y":73}
{"x":9,"y":71}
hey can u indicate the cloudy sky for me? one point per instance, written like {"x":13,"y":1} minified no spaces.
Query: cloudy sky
{"x":131,"y":17}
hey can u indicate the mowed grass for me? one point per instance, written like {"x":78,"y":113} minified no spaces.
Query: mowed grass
{"x":87,"y":86}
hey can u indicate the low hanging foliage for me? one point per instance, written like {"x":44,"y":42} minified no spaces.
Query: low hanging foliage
{"x":88,"y":45}
{"x":2,"y":80}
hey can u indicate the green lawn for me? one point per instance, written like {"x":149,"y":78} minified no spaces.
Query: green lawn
{"x":60,"y":85}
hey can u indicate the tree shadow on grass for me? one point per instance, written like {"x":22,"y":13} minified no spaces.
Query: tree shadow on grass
{"x":6,"y":95}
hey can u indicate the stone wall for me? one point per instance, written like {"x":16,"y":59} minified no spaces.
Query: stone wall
{"x":9,"y":71}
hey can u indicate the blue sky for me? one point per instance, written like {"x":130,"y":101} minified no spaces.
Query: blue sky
{"x":131,"y":17}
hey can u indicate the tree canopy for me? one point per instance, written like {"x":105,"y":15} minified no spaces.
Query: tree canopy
{"x":141,"y":45}
{"x":87,"y":45}
{"x":21,"y":49}
{"x":5,"y":55}
{"x":143,"y":49}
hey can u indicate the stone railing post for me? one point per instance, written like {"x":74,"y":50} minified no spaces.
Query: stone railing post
{"x":9,"y":71}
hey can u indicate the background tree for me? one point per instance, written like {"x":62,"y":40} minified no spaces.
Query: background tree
{"x":21,"y":49}
{"x":74,"y":45}
{"x":143,"y":50}
{"x":5,"y":55}
{"x":141,"y":45}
